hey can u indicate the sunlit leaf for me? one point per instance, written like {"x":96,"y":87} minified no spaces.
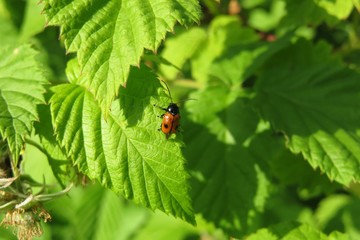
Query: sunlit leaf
{"x":21,"y":89}
{"x":289,"y":231}
{"x":110,"y":36}
{"x":124,"y":152}
{"x":316,"y":11}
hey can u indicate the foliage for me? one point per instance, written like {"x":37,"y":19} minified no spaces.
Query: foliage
{"x":268,"y":146}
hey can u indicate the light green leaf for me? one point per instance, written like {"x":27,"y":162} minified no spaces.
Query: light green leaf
{"x":291,"y":231}
{"x":125,"y":152}
{"x":329,"y":208}
{"x":219,"y":97}
{"x":316,"y":11}
{"x":339,"y":211}
{"x":224,"y":33}
{"x":34,"y":21}
{"x":110,"y":36}
{"x":94,"y":213}
{"x":335,"y":235}
{"x":338,"y":8}
{"x":21,"y":89}
{"x":357,"y":4}
{"x":310,"y":96}
{"x":5,"y":233}
{"x":159,"y":226}
{"x":181,"y":48}
{"x":61,"y":166}
{"x":117,"y":219}
{"x":266,"y":21}
{"x":8,"y":31}
{"x":35,"y":163}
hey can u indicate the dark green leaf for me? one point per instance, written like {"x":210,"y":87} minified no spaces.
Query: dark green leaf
{"x":315,"y":101}
{"x":229,"y":184}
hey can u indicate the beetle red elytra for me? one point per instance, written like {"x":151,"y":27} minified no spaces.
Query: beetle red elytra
{"x":171,"y":118}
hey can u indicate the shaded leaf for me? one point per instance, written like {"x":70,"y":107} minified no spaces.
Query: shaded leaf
{"x":239,"y":63}
{"x":314,"y":100}
{"x":226,"y":174}
{"x":294,"y":172}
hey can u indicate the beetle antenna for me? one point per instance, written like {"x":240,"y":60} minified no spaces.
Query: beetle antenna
{"x":167,"y":86}
{"x":187,"y":99}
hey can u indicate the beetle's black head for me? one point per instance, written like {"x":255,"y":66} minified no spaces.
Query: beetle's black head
{"x":173,"y":109}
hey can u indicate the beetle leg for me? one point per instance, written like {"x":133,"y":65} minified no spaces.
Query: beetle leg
{"x":165,"y":109}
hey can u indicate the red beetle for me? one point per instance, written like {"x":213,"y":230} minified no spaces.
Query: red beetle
{"x":171,"y":118}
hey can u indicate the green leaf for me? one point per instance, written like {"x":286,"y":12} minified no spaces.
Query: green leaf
{"x":125,"y":152}
{"x":59,"y":163}
{"x":266,"y":21}
{"x":357,"y":4}
{"x":35,"y":164}
{"x":239,"y":63}
{"x":21,"y":90}
{"x":315,"y":101}
{"x":339,"y":211}
{"x":229,"y":184}
{"x":297,"y":176}
{"x":249,"y":4}
{"x":329,"y":208}
{"x":284,"y":204}
{"x":316,"y":11}
{"x":159,"y":226}
{"x":289,"y":231}
{"x":110,"y":36}
{"x":224,"y":33}
{"x":33,"y":22}
{"x":338,"y":8}
{"x":117,"y":219}
{"x":8,"y":31}
{"x":335,"y":235}
{"x":94,"y":213}
{"x":7,"y":233}
{"x":179,"y":49}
